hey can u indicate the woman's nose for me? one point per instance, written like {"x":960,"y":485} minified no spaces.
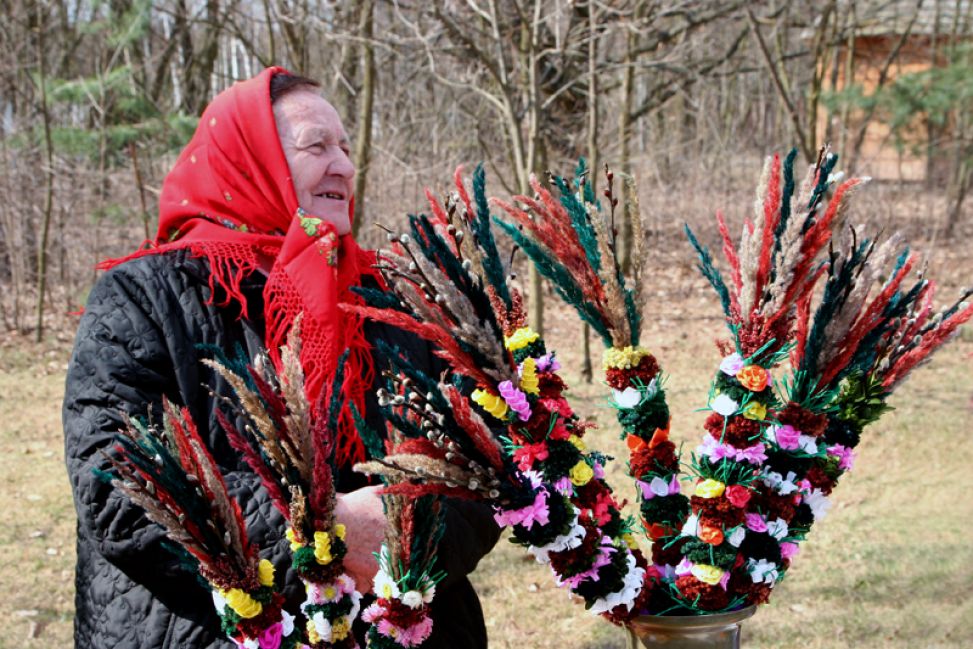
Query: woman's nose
{"x":341,"y":165}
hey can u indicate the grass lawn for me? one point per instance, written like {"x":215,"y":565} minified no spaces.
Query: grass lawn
{"x":891,"y":566}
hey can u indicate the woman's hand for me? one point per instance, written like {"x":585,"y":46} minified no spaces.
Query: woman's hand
{"x":361,"y":513}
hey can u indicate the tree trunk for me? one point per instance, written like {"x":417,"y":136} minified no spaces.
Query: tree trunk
{"x":49,"y":160}
{"x":587,"y":373}
{"x":366,"y":102}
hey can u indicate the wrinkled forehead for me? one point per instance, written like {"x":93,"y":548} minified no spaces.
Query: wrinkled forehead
{"x":304,"y":114}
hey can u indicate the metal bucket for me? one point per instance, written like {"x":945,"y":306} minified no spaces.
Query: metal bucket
{"x":720,"y":631}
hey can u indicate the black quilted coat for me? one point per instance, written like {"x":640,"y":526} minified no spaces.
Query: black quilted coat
{"x":138,"y":341}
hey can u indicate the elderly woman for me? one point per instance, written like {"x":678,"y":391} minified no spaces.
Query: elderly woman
{"x":233,"y":264}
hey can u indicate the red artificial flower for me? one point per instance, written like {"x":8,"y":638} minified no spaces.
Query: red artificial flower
{"x":803,"y":420}
{"x":645,"y":371}
{"x":526,"y":455}
{"x":710,"y":598}
{"x":738,"y":495}
{"x":738,"y":432}
{"x":665,"y":554}
{"x":820,"y":480}
{"x":716,"y":512}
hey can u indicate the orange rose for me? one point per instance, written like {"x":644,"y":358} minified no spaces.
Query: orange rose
{"x":711,"y":535}
{"x":753,"y":378}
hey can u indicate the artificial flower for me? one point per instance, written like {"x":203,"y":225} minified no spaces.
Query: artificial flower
{"x":623,"y":358}
{"x":736,"y":536}
{"x":738,"y":495}
{"x":265,"y":572}
{"x":755,"y":522}
{"x":710,"y":535}
{"x":492,"y":403}
{"x":724,"y":405}
{"x":516,"y":399}
{"x":271,"y":636}
{"x":628,"y":398}
{"x":412,"y":598}
{"x":789,"y":550}
{"x":529,"y":382}
{"x":755,"y":411}
{"x":384,"y":586}
{"x":710,"y":488}
{"x":762,"y":571}
{"x":732,"y":364}
{"x":707,"y":574}
{"x":581,"y":474}
{"x":577,"y":442}
{"x":786,"y":436}
{"x":753,"y":378}
{"x":242,"y":603}
{"x":322,"y":548}
{"x":292,"y":537}
{"x":520,"y":338}
{"x":777,"y":528}
{"x":818,"y":502}
{"x":846,"y":457}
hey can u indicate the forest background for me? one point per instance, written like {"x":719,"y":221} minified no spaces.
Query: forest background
{"x":97,"y":97}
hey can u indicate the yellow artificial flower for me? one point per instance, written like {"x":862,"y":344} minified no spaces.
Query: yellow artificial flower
{"x":520,"y":338}
{"x":624,"y":358}
{"x":292,"y":538}
{"x":528,"y":377}
{"x":755,"y":410}
{"x":707,"y":574}
{"x":630,"y":541}
{"x":322,"y":548}
{"x":265,"y":571}
{"x":340,"y":629}
{"x":312,"y":633}
{"x":577,"y":442}
{"x":710,"y":488}
{"x":581,"y":474}
{"x":492,"y":403}
{"x":339,"y":531}
{"x":329,"y":592}
{"x":242,"y":604}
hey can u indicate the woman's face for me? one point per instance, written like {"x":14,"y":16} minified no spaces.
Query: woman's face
{"x":317,"y":150}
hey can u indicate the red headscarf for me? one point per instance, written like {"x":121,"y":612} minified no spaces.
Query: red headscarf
{"x":230,"y":198}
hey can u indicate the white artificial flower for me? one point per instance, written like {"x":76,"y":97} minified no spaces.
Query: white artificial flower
{"x":807,"y":444}
{"x":572,"y":539}
{"x":412,"y":598}
{"x":818,"y":502}
{"x":724,"y":405}
{"x":691,"y":526}
{"x":627,"y":398}
{"x":249,"y":643}
{"x":322,"y":626}
{"x":384,"y":586}
{"x":659,"y":486}
{"x":219,"y":602}
{"x":736,"y":536}
{"x":777,"y":528}
{"x":355,"y":605}
{"x":428,"y":591}
{"x":763,"y":571}
{"x":783,"y":485}
{"x":286,"y":623}
{"x":631,"y":587}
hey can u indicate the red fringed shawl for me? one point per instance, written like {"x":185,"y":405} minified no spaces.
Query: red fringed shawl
{"x":230,"y":199}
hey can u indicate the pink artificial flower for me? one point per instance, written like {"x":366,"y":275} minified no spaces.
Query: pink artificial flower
{"x":537,"y":512}
{"x":373,"y":612}
{"x":732,"y":364}
{"x":846,"y":456}
{"x":787,"y":437}
{"x":548,"y":363}
{"x":599,"y":471}
{"x":756,"y":522}
{"x":788,"y":549}
{"x":564,"y":486}
{"x":416,"y":634}
{"x":271,"y":636}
